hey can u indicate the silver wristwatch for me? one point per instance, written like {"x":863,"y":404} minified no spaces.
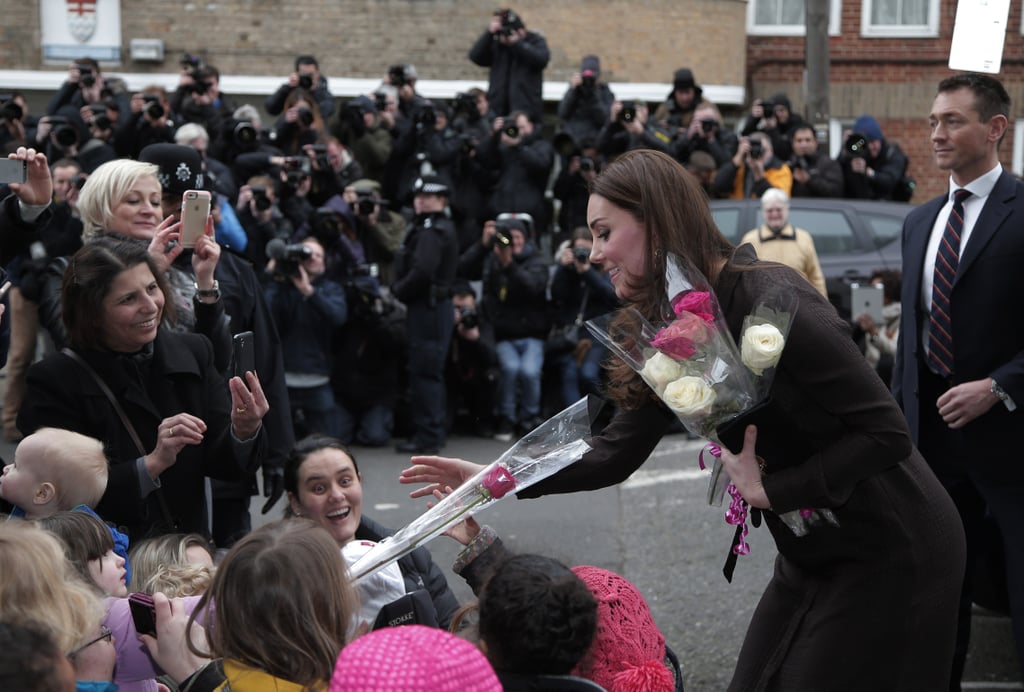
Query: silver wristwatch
{"x":212,"y":295}
{"x":1002,"y":396}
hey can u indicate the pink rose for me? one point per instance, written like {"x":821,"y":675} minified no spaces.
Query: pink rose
{"x":681,"y":339}
{"x":498,"y":481}
{"x":695,"y":302}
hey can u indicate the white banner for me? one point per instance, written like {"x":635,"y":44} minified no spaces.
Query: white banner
{"x":74,"y":29}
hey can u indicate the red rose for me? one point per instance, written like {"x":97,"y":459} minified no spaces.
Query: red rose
{"x":498,"y":481}
{"x":681,"y":339}
{"x":696,"y":302}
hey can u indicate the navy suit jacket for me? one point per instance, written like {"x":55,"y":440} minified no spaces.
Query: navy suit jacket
{"x":988,"y":329}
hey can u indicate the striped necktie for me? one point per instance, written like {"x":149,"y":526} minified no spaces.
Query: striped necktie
{"x":940,"y":348}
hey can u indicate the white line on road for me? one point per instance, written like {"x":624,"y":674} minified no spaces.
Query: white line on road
{"x":991,"y":686}
{"x":645,"y":479}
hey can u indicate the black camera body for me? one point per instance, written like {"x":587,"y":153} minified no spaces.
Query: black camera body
{"x":708,"y":125}
{"x":628,"y":112}
{"x":153,"y":109}
{"x":856,"y":145}
{"x":366,"y":203}
{"x":468,"y":317}
{"x":323,"y":161}
{"x":768,"y":109}
{"x":190,"y":63}
{"x":63,"y":133}
{"x":9,"y":108}
{"x":242,"y":133}
{"x":397,"y":76}
{"x":287,"y":258}
{"x":305,"y":116}
{"x":100,"y":119}
{"x":587,"y":163}
{"x":465,"y":104}
{"x":200,"y":82}
{"x":86,"y":77}
{"x":425,"y":118}
{"x":502,"y":236}
{"x":756,"y":149}
{"x":581,"y":254}
{"x":511,"y":22}
{"x":380,"y":101}
{"x":306,"y":81}
{"x":511,"y":131}
{"x":260,"y":198}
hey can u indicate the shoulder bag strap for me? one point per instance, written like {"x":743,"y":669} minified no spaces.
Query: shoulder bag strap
{"x":164,"y":509}
{"x":583,"y":306}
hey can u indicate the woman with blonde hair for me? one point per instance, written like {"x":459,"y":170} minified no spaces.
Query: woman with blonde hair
{"x":283,"y":608}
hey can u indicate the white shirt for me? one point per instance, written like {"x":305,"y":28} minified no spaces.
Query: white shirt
{"x":980,"y":189}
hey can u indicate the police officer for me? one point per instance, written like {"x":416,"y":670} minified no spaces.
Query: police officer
{"x":424,"y":271}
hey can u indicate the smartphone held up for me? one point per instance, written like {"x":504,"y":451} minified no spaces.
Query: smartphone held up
{"x":13,"y":171}
{"x":195,"y":209}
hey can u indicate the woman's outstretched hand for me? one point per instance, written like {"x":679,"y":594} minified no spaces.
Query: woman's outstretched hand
{"x":248,"y":405}
{"x":744,"y":470}
{"x":438,"y":473}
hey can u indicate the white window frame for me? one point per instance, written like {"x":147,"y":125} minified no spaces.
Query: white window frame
{"x":928,"y":30}
{"x":834,"y":15}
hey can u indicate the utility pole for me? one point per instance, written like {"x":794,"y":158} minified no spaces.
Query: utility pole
{"x":816,"y":68}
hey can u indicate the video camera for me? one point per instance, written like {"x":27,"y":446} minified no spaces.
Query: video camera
{"x":856,"y":145}
{"x":511,"y":22}
{"x":287,"y":258}
{"x":9,"y":108}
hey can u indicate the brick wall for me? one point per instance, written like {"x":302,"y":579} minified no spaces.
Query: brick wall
{"x":892,"y":79}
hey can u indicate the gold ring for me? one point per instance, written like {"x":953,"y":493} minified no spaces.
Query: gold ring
{"x":241,"y":409}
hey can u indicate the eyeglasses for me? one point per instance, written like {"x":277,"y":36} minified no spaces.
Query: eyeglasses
{"x":105,"y":634}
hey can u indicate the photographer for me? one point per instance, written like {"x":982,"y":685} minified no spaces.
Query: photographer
{"x":402,"y":78}
{"x":301,"y":125}
{"x":335,"y":227}
{"x":379,"y":229}
{"x":586,"y":106}
{"x":198,"y":99}
{"x":514,"y":277}
{"x":628,"y":129}
{"x":472,"y":121}
{"x":775,"y":118}
{"x":872,"y":167}
{"x":572,"y":187}
{"x":471,"y":369}
{"x":359,"y":126}
{"x":261,"y":218}
{"x":85,"y":84}
{"x":307,"y":309}
{"x":522,"y":159}
{"x":516,"y":58}
{"x":706,"y":134}
{"x":814,"y":173}
{"x":675,"y":114}
{"x":752,"y":170}
{"x":149,"y":121}
{"x":18,"y":126}
{"x":308,"y":78}
{"x":332,"y":169}
{"x":429,"y":147}
{"x":580,"y":291}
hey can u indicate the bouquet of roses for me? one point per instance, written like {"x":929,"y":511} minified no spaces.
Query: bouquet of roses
{"x":713,"y":386}
{"x":548,"y":448}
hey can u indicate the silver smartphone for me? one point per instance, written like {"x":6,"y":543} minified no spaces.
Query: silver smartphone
{"x":195,"y":208}
{"x":13,"y":171}
{"x":867,"y":298}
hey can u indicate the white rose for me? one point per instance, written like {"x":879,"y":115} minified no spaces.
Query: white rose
{"x":689,"y":396}
{"x":762,"y":347}
{"x":659,"y":370}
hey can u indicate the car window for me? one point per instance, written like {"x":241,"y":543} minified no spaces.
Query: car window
{"x":884,"y":228}
{"x":728,"y":220}
{"x":830,"y":229}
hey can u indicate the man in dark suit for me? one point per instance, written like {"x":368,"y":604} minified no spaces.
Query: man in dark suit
{"x":959,"y":371}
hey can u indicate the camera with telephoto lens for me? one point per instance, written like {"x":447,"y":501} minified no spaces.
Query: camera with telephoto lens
{"x":323,"y":161}
{"x":708,"y":125}
{"x":380,"y":101}
{"x":426,"y":117}
{"x":587,"y":163}
{"x":153,"y":109}
{"x":366,"y":203}
{"x":466,"y":104}
{"x":756,"y":149}
{"x":100,"y":119}
{"x":510,"y":22}
{"x":511,"y":131}
{"x":86,"y":77}
{"x":287,"y":258}
{"x":242,"y":133}
{"x":628,"y":112}
{"x":305,"y":116}
{"x":768,"y":109}
{"x":63,"y":133}
{"x":502,"y":235}
{"x":259,"y":197}
{"x":581,"y":254}
{"x":201,"y":82}
{"x":9,"y":108}
{"x":856,"y":145}
{"x":305,"y":81}
{"x":468,"y":317}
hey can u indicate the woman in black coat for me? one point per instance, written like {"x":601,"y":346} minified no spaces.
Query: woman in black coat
{"x":867,"y":604}
{"x":188,"y":422}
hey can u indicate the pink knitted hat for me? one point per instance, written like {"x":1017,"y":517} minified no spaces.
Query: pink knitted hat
{"x":628,"y":651}
{"x":412,"y":658}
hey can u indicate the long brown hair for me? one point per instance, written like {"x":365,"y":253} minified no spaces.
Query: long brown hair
{"x":673,"y":210}
{"x":283,"y":603}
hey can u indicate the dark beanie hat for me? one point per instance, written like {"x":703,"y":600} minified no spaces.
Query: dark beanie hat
{"x":869,"y":127}
{"x":683,"y":79}
{"x":180,"y":166}
{"x":590,"y":64}
{"x":782,"y":100}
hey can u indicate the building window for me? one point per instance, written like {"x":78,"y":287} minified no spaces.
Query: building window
{"x":900,"y":18}
{"x":785,"y":17}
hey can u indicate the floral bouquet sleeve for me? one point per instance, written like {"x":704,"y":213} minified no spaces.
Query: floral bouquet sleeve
{"x":548,"y":448}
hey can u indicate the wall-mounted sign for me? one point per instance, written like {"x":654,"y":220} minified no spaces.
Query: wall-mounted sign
{"x":81,"y":29}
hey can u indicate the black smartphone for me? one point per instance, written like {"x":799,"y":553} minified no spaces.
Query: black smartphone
{"x":143,"y":613}
{"x":243,"y":355}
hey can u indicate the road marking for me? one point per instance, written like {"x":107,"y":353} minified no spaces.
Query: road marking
{"x":382,"y":506}
{"x":991,"y":686}
{"x":645,"y":479}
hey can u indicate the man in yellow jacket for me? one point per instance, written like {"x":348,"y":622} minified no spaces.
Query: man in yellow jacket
{"x":753,"y":170}
{"x":778,"y":241}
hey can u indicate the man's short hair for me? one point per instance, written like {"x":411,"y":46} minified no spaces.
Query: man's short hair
{"x":306,"y":60}
{"x":990,"y":96}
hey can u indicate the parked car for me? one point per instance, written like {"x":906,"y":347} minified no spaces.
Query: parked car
{"x":853,"y":237}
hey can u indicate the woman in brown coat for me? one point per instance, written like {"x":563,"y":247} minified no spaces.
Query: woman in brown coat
{"x":869,"y":604}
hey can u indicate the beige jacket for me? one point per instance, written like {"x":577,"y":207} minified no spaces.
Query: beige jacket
{"x":793,"y":247}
